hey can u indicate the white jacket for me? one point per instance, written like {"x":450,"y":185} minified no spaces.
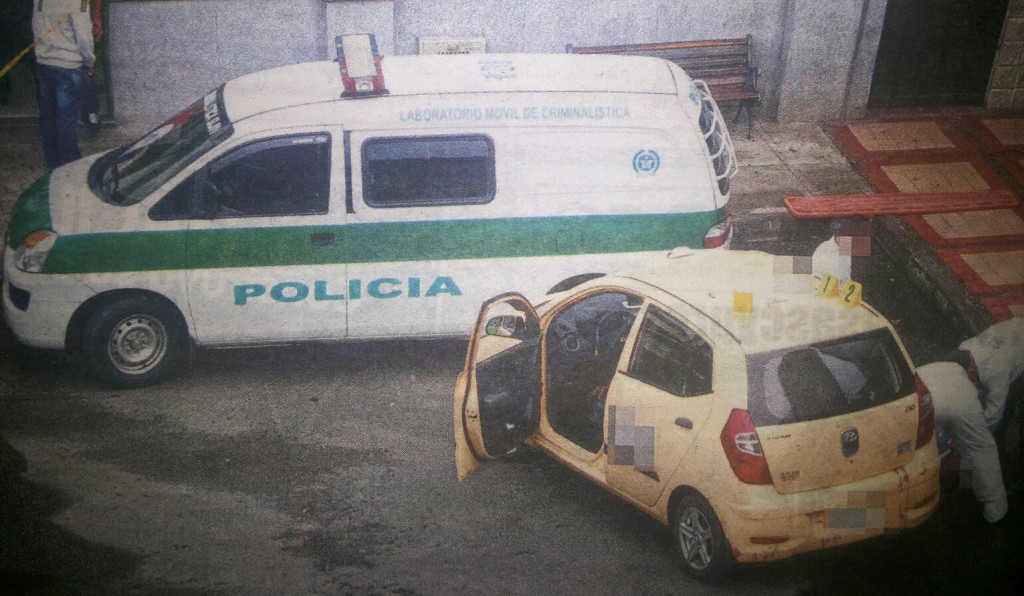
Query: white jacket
{"x":958,"y":412}
{"x":999,"y":353}
{"x":70,"y":45}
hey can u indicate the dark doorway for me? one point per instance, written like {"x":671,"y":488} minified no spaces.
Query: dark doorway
{"x":936,"y":52}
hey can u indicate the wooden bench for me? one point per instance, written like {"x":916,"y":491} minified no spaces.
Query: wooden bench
{"x":724,"y":64}
{"x":899,"y":203}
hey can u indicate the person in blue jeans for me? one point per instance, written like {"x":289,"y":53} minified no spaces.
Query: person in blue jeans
{"x":65,"y":55}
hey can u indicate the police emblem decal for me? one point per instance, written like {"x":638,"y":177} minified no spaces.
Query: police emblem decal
{"x":646,"y":161}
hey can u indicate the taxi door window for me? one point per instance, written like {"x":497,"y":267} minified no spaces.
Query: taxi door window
{"x":424,"y":171}
{"x":671,"y":356}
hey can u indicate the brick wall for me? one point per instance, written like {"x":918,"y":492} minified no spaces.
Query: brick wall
{"x":1006,"y":86}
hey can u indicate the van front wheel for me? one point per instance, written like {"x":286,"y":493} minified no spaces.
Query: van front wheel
{"x":133,"y":342}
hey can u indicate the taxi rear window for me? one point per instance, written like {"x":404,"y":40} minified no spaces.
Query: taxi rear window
{"x":826,"y":379}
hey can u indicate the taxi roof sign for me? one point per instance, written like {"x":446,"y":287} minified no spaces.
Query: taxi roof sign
{"x":360,"y":63}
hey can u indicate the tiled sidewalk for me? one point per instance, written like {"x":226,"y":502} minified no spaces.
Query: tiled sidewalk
{"x":949,"y":152}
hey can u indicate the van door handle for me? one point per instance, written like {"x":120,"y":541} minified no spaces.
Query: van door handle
{"x":321,"y":239}
{"x":684,"y":422}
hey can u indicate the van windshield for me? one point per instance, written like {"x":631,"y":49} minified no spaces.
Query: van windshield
{"x":827,"y":379}
{"x":130,"y":173}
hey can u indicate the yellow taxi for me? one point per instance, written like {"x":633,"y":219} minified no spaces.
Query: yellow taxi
{"x":757,"y":412}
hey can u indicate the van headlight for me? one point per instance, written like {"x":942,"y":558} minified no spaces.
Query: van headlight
{"x":30,"y":256}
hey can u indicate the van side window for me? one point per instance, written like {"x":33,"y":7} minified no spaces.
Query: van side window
{"x":671,"y":356}
{"x":176,"y":204}
{"x":420,"y":171}
{"x":279,"y":176}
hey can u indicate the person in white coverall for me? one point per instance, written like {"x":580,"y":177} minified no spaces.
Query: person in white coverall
{"x":998,"y":355}
{"x":959,"y":413}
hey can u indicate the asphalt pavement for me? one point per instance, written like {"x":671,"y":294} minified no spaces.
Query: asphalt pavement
{"x":327,"y":469}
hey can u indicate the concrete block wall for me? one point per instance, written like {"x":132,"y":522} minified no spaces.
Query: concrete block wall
{"x":828,"y":77}
{"x":361,"y":16}
{"x":1006,"y":85}
{"x":167,"y":53}
{"x":546,"y":27}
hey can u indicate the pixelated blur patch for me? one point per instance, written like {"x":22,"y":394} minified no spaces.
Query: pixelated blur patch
{"x":864,"y":510}
{"x":854,"y":246}
{"x":845,"y":245}
{"x":860,"y":246}
{"x":786,"y":264}
{"x":644,"y":451}
{"x":628,"y":443}
{"x":792,"y":275}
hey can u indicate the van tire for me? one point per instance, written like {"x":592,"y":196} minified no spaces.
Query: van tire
{"x":133,"y":341}
{"x":571,"y":282}
{"x":705,"y":552}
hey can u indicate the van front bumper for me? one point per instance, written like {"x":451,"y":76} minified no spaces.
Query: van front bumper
{"x":37,"y":307}
{"x":770,"y":526}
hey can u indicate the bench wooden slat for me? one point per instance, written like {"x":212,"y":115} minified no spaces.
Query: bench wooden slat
{"x":898,"y":203}
{"x":712,"y":68}
{"x":651,"y":47}
{"x":724,"y":64}
{"x":725,"y":94}
{"x":721,"y":76}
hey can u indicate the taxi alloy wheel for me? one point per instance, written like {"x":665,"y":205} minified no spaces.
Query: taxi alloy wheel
{"x":700,"y":539}
{"x":133,"y":341}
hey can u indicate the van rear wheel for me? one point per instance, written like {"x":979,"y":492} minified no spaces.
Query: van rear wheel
{"x":701,"y":542}
{"x":133,"y":341}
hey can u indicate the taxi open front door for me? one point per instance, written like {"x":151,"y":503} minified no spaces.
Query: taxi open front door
{"x":497,"y":396}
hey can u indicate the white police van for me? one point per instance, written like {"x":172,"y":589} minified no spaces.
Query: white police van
{"x":363,"y":198}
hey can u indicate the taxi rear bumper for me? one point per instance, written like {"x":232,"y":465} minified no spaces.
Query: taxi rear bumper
{"x":767,"y":525}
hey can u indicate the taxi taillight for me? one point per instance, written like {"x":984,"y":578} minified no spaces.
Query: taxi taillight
{"x":743,"y":449}
{"x":925,"y":414}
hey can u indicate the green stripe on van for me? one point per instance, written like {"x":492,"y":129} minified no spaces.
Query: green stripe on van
{"x":31,"y":212}
{"x":379,"y":242}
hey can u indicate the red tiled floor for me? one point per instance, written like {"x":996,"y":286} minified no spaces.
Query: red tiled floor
{"x":917,"y":136}
{"x":992,"y":226}
{"x":934,"y":153}
{"x":906,"y":173}
{"x":998,"y":132}
{"x":1005,"y":307}
{"x":988,"y":270}
{"x":1013,"y":164}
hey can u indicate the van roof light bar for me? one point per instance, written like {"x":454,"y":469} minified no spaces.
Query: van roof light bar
{"x":361,"y":73}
